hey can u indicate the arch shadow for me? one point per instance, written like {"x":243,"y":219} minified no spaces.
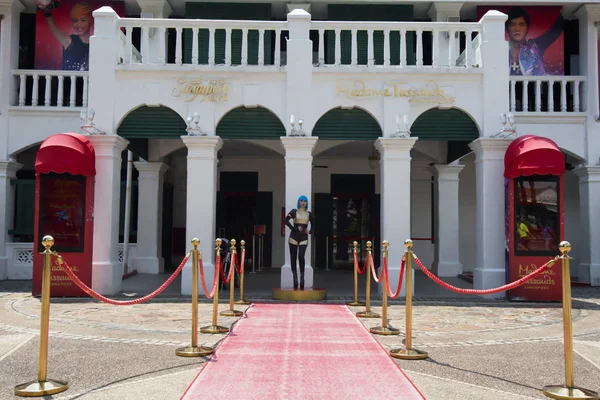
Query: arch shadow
{"x":356,"y":123}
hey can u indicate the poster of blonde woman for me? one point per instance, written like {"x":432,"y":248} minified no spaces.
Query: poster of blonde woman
{"x":63,"y":31}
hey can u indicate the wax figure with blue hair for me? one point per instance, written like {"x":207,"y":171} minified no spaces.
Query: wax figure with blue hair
{"x":298,"y":240}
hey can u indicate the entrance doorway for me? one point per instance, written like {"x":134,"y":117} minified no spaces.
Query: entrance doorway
{"x":349,"y":213}
{"x":240,"y":208}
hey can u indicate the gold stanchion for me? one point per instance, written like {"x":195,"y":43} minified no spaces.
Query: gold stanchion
{"x":384,"y":329}
{"x":568,"y":390}
{"x":368,"y":313}
{"x":355,"y":302}
{"x":242,"y":301}
{"x":232,"y":312}
{"x":194,"y":350}
{"x":214,"y":328}
{"x":408,"y":353}
{"x":43,"y":386}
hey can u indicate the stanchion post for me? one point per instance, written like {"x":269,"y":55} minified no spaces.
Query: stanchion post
{"x":193,"y":350}
{"x":214,"y":328}
{"x":242,"y":300}
{"x":43,"y":386}
{"x":568,"y":390}
{"x":408,"y":353}
{"x":384,"y":329}
{"x":232,"y":312}
{"x":355,"y":303}
{"x":368,"y":313}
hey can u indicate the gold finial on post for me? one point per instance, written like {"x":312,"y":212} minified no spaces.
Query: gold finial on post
{"x":232,"y":312}
{"x":408,"y":243}
{"x":355,"y":245}
{"x":218,"y":242}
{"x":43,"y":386}
{"x":243,"y":245}
{"x":368,"y":313}
{"x":233,"y":248}
{"x":565,"y":248}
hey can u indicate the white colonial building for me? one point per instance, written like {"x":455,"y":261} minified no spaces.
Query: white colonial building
{"x":396,"y":131}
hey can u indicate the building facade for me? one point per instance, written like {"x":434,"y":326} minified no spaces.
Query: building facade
{"x":386,"y":115}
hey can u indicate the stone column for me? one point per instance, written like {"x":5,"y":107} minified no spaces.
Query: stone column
{"x":589,"y":250}
{"x":107,"y":272}
{"x":8,"y":171}
{"x":149,"y":228}
{"x":441,"y":12}
{"x":157,"y":43}
{"x":201,"y":204}
{"x":447,"y":222}
{"x":298,"y":182}
{"x":9,"y":60}
{"x":395,"y":200}
{"x":489,"y":178}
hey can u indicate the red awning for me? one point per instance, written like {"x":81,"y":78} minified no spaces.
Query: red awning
{"x":66,"y":153}
{"x":533,"y":155}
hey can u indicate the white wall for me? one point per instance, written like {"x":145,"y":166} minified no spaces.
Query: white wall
{"x":467,"y":215}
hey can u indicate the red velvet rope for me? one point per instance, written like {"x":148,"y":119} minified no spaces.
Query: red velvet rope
{"x":503,"y":288}
{"x":364,"y":268}
{"x":65,"y":267}
{"x":238,"y":268}
{"x":215,"y":275}
{"x":387,"y":279}
{"x":370,"y":257}
{"x":222,"y":271}
{"x":243,"y":261}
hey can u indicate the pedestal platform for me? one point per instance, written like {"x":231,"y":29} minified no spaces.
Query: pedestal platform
{"x":299,"y":295}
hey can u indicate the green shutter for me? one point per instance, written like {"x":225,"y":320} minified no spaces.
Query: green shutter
{"x":339,"y":12}
{"x":24,"y":207}
{"x":227,"y":11}
{"x":438,"y":124}
{"x":354,"y":124}
{"x":152,"y":123}
{"x":250,"y":123}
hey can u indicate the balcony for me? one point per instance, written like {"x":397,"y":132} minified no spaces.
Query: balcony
{"x":546,"y":95}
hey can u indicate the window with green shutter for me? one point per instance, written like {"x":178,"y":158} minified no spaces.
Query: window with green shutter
{"x":373,"y":12}
{"x":250,"y":123}
{"x":152,"y":123}
{"x":228,"y":11}
{"x":354,"y":124}
{"x":448,"y":125}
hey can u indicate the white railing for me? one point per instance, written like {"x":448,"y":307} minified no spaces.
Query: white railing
{"x":51,"y":88}
{"x":442,"y":49}
{"x":227,"y":43}
{"x":550,"y":94}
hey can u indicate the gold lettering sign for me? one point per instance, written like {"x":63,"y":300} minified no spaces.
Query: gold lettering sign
{"x":542,"y":282}
{"x":204,"y":89}
{"x":432,"y":93}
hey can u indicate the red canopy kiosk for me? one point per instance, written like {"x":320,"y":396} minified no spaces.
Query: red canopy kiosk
{"x":533,"y":170}
{"x":65,"y":168}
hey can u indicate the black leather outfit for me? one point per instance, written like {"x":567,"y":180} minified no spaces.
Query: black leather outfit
{"x":298,"y":241}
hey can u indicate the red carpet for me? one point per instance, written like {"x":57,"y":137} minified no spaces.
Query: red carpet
{"x":301,"y":351}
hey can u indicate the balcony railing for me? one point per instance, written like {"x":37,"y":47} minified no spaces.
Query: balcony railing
{"x":51,"y":88}
{"x":548,"y":94}
{"x":201,"y":42}
{"x":435,"y":44}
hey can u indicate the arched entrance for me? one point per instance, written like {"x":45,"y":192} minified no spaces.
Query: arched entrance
{"x":251,"y":181}
{"x":346,"y":200}
{"x":160,"y":129}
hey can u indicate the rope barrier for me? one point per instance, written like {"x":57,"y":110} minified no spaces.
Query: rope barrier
{"x":373,"y":270}
{"x":387,"y":281}
{"x":364,"y":268}
{"x":502,"y":288}
{"x":222,"y":271}
{"x":238,"y":268}
{"x":202,"y":279}
{"x":65,"y":267}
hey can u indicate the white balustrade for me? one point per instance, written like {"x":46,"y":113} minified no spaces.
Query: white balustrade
{"x":357,"y":43}
{"x":546,"y":94}
{"x":200,"y":42}
{"x":59,"y":88}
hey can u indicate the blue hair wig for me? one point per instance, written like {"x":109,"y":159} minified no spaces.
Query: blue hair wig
{"x":302,"y":198}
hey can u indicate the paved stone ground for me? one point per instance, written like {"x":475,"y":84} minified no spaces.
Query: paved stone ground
{"x":478,"y":348}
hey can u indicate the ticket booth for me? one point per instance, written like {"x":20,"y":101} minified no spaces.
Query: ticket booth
{"x":65,"y":168}
{"x":533,"y":170}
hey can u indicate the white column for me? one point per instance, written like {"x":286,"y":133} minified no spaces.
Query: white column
{"x":107,"y":273}
{"x":447,"y":222}
{"x":489,"y":178}
{"x":201,"y":204}
{"x":9,"y":60}
{"x":298,"y":182}
{"x":149,"y":228}
{"x":8,"y":171}
{"x":495,"y":83}
{"x":439,"y":12}
{"x":104,"y":53}
{"x":395,"y":200}
{"x":589,"y":250}
{"x":157,"y":37}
